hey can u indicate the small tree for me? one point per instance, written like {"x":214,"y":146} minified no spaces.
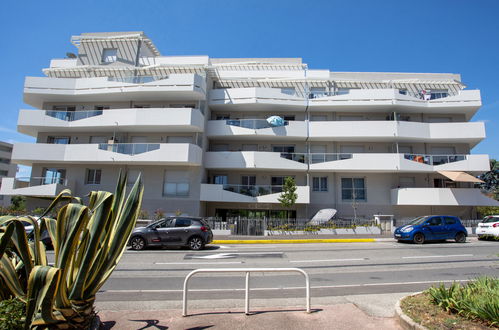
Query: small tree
{"x":288,"y":195}
{"x":491,"y":180}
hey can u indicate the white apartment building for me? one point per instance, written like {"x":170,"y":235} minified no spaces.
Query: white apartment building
{"x":196,"y":127}
{"x":7,"y":169}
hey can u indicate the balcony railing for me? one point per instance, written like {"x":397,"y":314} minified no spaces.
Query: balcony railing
{"x":72,"y":115}
{"x":253,"y":190}
{"x":297,"y":157}
{"x":251,"y":123}
{"x":316,"y":158}
{"x":137,"y":79}
{"x":435,"y":159}
{"x":24,"y":182}
{"x":129,"y":148}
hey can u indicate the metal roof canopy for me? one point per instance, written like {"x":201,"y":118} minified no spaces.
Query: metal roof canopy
{"x":459,"y":176}
{"x":76,"y":40}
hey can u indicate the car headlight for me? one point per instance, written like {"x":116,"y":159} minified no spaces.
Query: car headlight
{"x":407,"y":229}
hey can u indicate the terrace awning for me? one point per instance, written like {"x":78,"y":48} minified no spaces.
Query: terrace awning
{"x":460,"y":176}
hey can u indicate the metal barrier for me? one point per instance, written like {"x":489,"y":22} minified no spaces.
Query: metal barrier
{"x":247,"y":271}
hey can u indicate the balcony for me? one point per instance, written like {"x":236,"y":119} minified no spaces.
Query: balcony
{"x":249,"y":194}
{"x":254,"y":99}
{"x":467,"y":101}
{"x":38,"y":90}
{"x":392,"y":162}
{"x":255,"y":129}
{"x":441,"y":197}
{"x":254,"y":160}
{"x":119,"y":153}
{"x":361,"y":100}
{"x":382,"y":131}
{"x":32,"y":122}
{"x":35,"y":186}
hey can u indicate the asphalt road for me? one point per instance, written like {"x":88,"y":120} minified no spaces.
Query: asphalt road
{"x":337,"y":269}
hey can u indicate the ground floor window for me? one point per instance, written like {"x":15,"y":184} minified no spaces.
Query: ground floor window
{"x":93,"y":176}
{"x":176,"y":184}
{"x":254,"y":214}
{"x":319,"y":183}
{"x":353,"y":189}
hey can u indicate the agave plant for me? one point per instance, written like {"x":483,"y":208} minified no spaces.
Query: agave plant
{"x":88,"y":243}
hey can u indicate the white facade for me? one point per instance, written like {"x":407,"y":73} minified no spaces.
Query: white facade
{"x":7,"y":171}
{"x":195,"y":127}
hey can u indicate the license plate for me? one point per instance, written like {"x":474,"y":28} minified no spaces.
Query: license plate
{"x":397,"y":235}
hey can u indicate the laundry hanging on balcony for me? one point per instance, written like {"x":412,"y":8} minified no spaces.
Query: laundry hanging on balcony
{"x":275,"y":121}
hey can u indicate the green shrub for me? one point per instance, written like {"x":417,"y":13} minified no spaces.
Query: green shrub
{"x":11,"y":314}
{"x":38,"y":211}
{"x":478,"y":299}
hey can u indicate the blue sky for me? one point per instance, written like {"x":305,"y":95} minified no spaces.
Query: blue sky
{"x":457,"y":36}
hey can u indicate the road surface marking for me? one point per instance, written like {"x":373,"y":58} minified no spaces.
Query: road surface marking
{"x":328,"y":260}
{"x":285,"y":288}
{"x":452,"y":255}
{"x":200,"y":263}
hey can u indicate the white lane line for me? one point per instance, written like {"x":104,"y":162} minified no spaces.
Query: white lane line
{"x":199,"y":263}
{"x":452,"y":255}
{"x":330,"y":260}
{"x":285,"y":288}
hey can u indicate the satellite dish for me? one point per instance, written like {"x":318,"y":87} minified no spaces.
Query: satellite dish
{"x":70,"y":55}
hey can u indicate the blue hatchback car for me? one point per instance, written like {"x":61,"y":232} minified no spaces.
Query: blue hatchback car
{"x":432,"y":228}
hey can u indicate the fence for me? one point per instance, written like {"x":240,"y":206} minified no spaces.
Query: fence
{"x":257,"y":227}
{"x":471,"y":223}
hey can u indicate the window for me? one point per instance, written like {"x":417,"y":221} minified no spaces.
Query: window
{"x":319,"y":183}
{"x":4,"y":173}
{"x":53,"y":175}
{"x":219,"y":147}
{"x":288,"y":118}
{"x":248,"y":180}
{"x":353,"y":189}
{"x":4,"y":160}
{"x":102,"y":107}
{"x":288,"y":90}
{"x":93,"y":176}
{"x":176,"y":184}
{"x":284,"y":149}
{"x":343,"y":91}
{"x":250,"y":147}
{"x":222,"y":117}
{"x":438,"y":94}
{"x":318,"y":118}
{"x":58,"y":139}
{"x":220,"y":179}
{"x":109,"y":55}
{"x":403,"y":91}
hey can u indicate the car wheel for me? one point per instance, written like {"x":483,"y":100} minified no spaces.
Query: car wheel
{"x":460,"y":237}
{"x":138,"y":243}
{"x":481,"y":238}
{"x":418,"y":238}
{"x":196,"y":243}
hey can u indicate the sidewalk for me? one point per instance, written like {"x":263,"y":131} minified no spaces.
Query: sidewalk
{"x":341,"y":316}
{"x":289,"y":239}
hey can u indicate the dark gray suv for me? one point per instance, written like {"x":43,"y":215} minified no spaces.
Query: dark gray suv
{"x":175,"y":231}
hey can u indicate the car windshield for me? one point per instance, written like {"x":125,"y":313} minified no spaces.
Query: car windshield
{"x":418,"y":220}
{"x":490,"y":219}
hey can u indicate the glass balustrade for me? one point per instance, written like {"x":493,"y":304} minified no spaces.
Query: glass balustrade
{"x":72,"y":115}
{"x":23,"y":182}
{"x":251,"y":123}
{"x":129,"y":148}
{"x":253,"y":190}
{"x":434,"y":159}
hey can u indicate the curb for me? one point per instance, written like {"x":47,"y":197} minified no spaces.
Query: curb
{"x":405,"y":321}
{"x":291,"y":241}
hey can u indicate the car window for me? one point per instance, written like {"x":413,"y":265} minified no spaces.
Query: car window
{"x":168,"y":223}
{"x":418,"y":220}
{"x":435,"y":221}
{"x":180,"y":222}
{"x":450,"y":220}
{"x":490,"y":219}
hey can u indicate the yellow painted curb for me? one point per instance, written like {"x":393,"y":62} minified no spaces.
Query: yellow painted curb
{"x":290,"y":241}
